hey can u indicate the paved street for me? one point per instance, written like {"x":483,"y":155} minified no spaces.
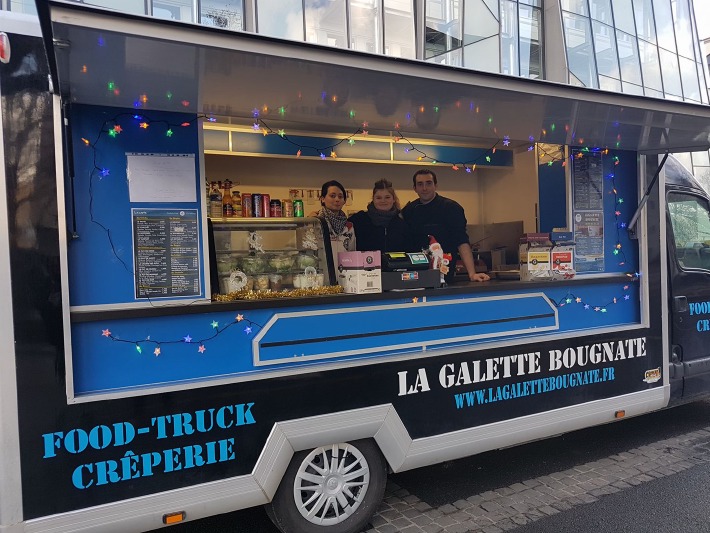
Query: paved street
{"x":648,"y":473}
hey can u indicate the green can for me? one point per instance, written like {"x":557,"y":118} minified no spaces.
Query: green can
{"x":298,"y":208}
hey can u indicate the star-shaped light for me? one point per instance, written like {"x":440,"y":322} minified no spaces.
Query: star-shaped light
{"x":351,"y":141}
{"x":255,"y":126}
{"x":144,"y":125}
{"x":365,"y":132}
{"x":202,"y":348}
{"x":211,"y":119}
{"x":586,"y":306}
{"x":282,"y":110}
{"x":264,"y":132}
{"x":282,"y":133}
{"x":247,"y":330}
{"x":117,"y":128}
{"x":322,"y":155}
{"x":214,"y":324}
{"x":415,"y":300}
{"x":454,"y":167}
{"x":568,"y":300}
{"x":333,"y":154}
{"x":531,"y":148}
{"x":578,"y":300}
{"x":396,"y":125}
{"x":597,"y":308}
{"x":626,"y":297}
{"x":106,"y":332}
{"x":488,"y":159}
{"x":169,"y":133}
{"x":239,"y":318}
{"x":617,"y":213}
{"x":187,"y":339}
{"x":157,"y":351}
{"x":468,"y":169}
{"x":104,"y":172}
{"x":616,"y":251}
{"x":506,"y":140}
{"x":365,"y":124}
{"x":603,"y":309}
{"x":112,"y":133}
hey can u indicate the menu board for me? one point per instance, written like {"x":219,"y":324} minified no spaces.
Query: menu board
{"x":588,"y":212}
{"x":166,"y":253}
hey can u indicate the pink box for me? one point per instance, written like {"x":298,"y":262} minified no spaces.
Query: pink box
{"x":360,"y":260}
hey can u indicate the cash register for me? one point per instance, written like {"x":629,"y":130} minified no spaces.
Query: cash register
{"x":408,"y":270}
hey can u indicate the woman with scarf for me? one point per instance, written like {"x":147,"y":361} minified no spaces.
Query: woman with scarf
{"x":341,"y":230}
{"x":380,"y":227}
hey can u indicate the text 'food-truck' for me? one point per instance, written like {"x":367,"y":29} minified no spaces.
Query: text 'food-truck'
{"x":420,"y":291}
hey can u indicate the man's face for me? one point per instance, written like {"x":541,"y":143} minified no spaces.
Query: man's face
{"x":425,"y":187}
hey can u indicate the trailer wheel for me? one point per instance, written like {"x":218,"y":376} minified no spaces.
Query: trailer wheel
{"x":331,"y":489}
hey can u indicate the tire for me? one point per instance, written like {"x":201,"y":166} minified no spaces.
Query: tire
{"x":318,"y":495}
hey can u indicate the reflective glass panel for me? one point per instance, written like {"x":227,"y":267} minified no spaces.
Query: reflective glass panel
{"x":280,"y":18}
{"x":173,"y":9}
{"x":630,"y":88}
{"x":664,"y":24}
{"x":481,"y":20}
{"x":627,"y":46}
{"x":537,"y":3}
{"x":453,"y":58}
{"x":222,"y":13}
{"x":605,"y":48}
{"x":690,"y":220}
{"x":671,"y":76}
{"x":483,"y":55}
{"x":689,"y":75}
{"x":443,"y":27}
{"x":365,"y":25}
{"x":399,"y":29}
{"x":601,"y":10}
{"x":645,"y":26}
{"x":530,"y":42}
{"x":650,"y":66}
{"x":624,"y":16}
{"x":575,"y":6}
{"x":127,"y":6}
{"x":609,"y":84}
{"x":325,"y":23}
{"x":509,"y":37}
{"x":580,"y":52}
{"x":23,"y":6}
{"x":683,"y":29}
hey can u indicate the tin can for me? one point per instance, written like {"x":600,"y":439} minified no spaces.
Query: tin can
{"x":287,"y":208}
{"x":275,"y":208}
{"x":298,"y":207}
{"x":266,"y":205}
{"x":257,"y":205}
{"x":247,"y":208}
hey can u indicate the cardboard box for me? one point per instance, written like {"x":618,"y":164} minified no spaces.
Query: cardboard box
{"x":360,"y":272}
{"x":535,"y":262}
{"x":562,"y":262}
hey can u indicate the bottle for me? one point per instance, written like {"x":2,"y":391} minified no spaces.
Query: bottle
{"x":247,"y":206}
{"x":227,"y":208}
{"x":215,"y":207}
{"x":237,"y":203}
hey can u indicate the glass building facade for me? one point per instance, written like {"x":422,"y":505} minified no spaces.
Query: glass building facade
{"x":641,"y":47}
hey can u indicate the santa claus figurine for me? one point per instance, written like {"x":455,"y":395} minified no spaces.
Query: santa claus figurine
{"x":437,"y":257}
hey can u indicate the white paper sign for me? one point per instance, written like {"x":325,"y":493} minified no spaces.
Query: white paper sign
{"x":161,"y":178}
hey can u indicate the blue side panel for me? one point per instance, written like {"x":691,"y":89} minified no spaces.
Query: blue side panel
{"x":101,"y":256}
{"x":379,"y":329}
{"x":553,"y":197}
{"x":133,"y":353}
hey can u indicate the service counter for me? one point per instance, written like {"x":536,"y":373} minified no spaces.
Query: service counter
{"x":120,"y":352}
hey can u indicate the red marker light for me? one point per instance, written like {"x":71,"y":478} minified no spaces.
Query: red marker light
{"x":4,"y":48}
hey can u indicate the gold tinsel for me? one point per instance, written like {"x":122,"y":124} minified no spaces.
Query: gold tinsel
{"x":270,"y":295}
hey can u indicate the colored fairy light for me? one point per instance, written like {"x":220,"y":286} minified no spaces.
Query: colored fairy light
{"x":202,"y":348}
{"x":144,"y":125}
{"x":365,"y":133}
{"x":117,"y":128}
{"x":298,"y":154}
{"x":469,"y":170}
{"x":214,"y":324}
{"x":506,"y":140}
{"x":552,"y":127}
{"x":212,"y":119}
{"x":138,"y":348}
{"x":333,"y":154}
{"x":111,"y":86}
{"x":531,"y":148}
{"x":169,"y":133}
{"x":455,"y":167}
{"x":531,"y":138}
{"x":104,"y":172}
{"x":247,"y":330}
{"x":282,"y":110}
{"x":185,"y":124}
{"x":488,"y":159}
{"x":490,"y":120}
{"x":365,"y":124}
{"x":169,"y":95}
{"x":187,"y":339}
{"x":322,"y":155}
{"x":101,"y":41}
{"x":157,"y":351}
{"x":143,"y":98}
{"x":85,"y":141}
{"x":112,"y":133}
{"x":436,"y":109}
{"x":396,"y":125}
{"x":406,"y":150}
{"x":137,"y":117}
{"x":185,"y":103}
{"x":83,"y":69}
{"x":137,"y":104}
{"x":352,"y":113}
{"x":351,"y":141}
{"x":255,"y":126}
{"x":282,"y":133}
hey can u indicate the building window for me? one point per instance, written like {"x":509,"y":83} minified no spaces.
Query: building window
{"x":325,"y":23}
{"x":365,"y":24}
{"x":173,"y":9}
{"x":222,"y":14}
{"x":399,"y":29}
{"x":280,"y":18}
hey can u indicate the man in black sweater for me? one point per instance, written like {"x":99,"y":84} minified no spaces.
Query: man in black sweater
{"x":442,"y":218}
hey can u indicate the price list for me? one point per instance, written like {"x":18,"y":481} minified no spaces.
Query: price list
{"x":166,"y":253}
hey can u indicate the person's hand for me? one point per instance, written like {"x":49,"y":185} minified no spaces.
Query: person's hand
{"x":479,"y":276}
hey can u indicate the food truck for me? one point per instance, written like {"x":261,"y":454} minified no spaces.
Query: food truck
{"x":155,"y":373}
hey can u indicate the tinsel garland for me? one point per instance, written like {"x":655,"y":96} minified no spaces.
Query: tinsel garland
{"x":269,"y":295}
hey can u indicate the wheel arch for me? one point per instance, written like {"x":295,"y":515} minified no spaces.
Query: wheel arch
{"x":380,"y":422}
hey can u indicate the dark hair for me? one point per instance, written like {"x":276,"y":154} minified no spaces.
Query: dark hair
{"x":386,"y":185}
{"x":422,"y":172}
{"x":332,"y":183}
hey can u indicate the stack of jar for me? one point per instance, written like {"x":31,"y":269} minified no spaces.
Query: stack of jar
{"x":223,"y":202}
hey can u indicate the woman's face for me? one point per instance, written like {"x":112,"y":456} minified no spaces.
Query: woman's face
{"x":383,"y":200}
{"x":334,"y":199}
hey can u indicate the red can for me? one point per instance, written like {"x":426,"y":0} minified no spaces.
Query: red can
{"x":266,"y":205}
{"x":247,"y":210}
